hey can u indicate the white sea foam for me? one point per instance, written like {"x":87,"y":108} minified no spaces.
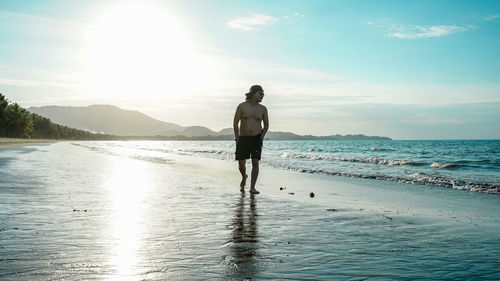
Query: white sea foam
{"x":371,"y":160}
{"x":416,"y":178}
{"x":381,"y":149}
{"x":437,"y":165}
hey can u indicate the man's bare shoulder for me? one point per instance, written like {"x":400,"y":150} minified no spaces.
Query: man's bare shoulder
{"x":243,"y":104}
{"x":262,"y":106}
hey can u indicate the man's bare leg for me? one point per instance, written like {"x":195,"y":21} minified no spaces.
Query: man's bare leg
{"x":255,"y":174}
{"x":244,"y":176}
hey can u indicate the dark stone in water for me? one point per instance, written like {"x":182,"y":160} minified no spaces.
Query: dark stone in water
{"x":282,"y":188}
{"x":291,"y":193}
{"x":331,"y":210}
{"x":311,"y":194}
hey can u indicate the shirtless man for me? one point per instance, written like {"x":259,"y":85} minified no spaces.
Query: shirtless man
{"x":249,"y":135}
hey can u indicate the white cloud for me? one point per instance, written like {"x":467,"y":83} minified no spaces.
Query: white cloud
{"x":491,"y":17}
{"x":411,"y":31}
{"x":298,"y":15}
{"x":417,"y":31}
{"x":251,"y":23}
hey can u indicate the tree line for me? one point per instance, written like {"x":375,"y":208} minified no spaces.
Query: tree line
{"x":17,"y":122}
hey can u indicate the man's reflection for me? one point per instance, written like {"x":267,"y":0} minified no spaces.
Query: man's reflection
{"x":244,"y":237}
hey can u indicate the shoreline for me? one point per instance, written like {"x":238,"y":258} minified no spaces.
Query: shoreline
{"x":348,"y":192}
{"x":12,"y":143}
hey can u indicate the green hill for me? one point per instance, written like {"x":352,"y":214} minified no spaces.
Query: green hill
{"x":17,"y":122}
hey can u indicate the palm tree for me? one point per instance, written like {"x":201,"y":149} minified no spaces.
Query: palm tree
{"x":3,"y":115}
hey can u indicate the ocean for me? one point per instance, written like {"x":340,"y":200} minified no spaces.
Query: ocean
{"x":460,"y":164}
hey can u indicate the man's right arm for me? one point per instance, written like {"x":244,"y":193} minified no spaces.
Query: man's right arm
{"x":236,"y":121}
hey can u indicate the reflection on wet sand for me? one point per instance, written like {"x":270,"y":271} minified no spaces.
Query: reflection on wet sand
{"x":244,"y":240}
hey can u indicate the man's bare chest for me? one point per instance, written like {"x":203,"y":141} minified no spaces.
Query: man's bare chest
{"x":252,"y":114}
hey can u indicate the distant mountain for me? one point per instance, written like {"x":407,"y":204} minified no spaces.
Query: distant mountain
{"x":226,"y":131}
{"x":111,"y":120}
{"x":292,"y":136}
{"x":198,"y":131}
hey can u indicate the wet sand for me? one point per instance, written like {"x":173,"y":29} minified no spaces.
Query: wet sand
{"x":123,"y":216}
{"x":10,"y":143}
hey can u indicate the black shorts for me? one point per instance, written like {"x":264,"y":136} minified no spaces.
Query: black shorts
{"x":247,"y":147}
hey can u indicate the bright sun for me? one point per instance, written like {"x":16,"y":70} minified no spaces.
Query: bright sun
{"x":139,"y":50}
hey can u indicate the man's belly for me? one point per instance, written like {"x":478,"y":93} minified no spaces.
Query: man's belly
{"x":249,"y":130}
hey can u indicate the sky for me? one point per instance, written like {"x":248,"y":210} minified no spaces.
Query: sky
{"x":402,"y":69}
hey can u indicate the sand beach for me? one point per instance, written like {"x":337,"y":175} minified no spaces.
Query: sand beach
{"x":8,"y":143}
{"x":78,"y":211}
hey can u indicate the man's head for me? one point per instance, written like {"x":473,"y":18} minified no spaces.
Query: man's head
{"x":255,"y":91}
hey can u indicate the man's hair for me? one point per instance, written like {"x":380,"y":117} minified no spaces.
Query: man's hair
{"x":248,"y":96}
{"x":254,"y":89}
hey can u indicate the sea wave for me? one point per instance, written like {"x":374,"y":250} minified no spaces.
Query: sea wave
{"x":130,"y":154}
{"x":437,"y":165}
{"x":416,"y":178}
{"x":207,"y":151}
{"x":370,"y":160}
{"x":422,"y":173}
{"x":381,"y":149}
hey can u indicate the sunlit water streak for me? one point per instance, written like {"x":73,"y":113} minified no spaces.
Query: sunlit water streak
{"x":111,"y":211}
{"x":127,"y":188}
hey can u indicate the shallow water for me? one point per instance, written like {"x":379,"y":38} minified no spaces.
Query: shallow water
{"x":76,"y":212}
{"x":460,"y":164}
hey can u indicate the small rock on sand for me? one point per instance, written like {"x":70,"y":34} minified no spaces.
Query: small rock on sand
{"x":331,"y":210}
{"x":291,"y":193}
{"x":311,"y":194}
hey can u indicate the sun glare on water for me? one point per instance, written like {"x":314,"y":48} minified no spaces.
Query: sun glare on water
{"x":140,"y":50}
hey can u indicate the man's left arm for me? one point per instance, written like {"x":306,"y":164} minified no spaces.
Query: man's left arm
{"x":265,"y":119}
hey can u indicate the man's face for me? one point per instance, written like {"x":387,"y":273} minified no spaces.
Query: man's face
{"x":259,"y":95}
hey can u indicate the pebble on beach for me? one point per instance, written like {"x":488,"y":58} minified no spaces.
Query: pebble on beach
{"x":311,"y":194}
{"x":291,"y":193}
{"x":282,"y":188}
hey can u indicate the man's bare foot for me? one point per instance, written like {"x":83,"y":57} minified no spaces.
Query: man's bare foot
{"x":243,"y":183}
{"x":254,"y":191}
